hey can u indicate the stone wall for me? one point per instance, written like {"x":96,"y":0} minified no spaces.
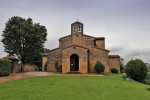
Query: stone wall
{"x":65,"y":42}
{"x":100,"y":43}
{"x":16,"y":67}
{"x":83,"y":58}
{"x":76,"y":39}
{"x":44,"y":60}
{"x":97,"y":54}
{"x":29,"y":68}
{"x":114,"y":62}
{"x":54,"y":57}
{"x":87,"y":60}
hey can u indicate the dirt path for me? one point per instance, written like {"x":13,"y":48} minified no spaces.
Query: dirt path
{"x":33,"y":74}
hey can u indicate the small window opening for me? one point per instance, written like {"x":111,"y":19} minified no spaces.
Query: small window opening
{"x":94,"y":43}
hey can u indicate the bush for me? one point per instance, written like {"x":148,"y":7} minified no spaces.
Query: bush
{"x":147,"y":80}
{"x":29,"y":68}
{"x":122,"y":68}
{"x":114,"y":70}
{"x":35,"y":67}
{"x":5,"y":67}
{"x":136,"y":69}
{"x":99,"y":67}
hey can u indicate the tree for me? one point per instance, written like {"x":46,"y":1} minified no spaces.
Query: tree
{"x":122,"y":66}
{"x":136,"y":69}
{"x":23,"y":38}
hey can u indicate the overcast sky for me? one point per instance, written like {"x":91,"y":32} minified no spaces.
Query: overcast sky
{"x":125,"y":24}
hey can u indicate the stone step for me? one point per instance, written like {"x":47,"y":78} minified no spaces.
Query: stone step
{"x":73,"y":72}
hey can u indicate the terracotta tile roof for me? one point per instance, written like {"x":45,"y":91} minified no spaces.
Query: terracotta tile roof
{"x":10,"y":58}
{"x":53,"y":49}
{"x":45,"y":54}
{"x":99,"y":38}
{"x":88,"y":36}
{"x":64,"y":37}
{"x":96,"y":38}
{"x":77,"y":22}
{"x":113,"y":56}
{"x":102,"y":49}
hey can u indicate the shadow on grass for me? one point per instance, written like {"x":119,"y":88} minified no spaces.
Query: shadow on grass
{"x":148,"y":89}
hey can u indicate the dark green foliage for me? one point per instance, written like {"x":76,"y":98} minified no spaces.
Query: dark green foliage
{"x":5,"y":67}
{"x":136,"y":69}
{"x":122,"y":68}
{"x":37,"y":60}
{"x":148,"y":89}
{"x":40,"y":68}
{"x":147,"y":79}
{"x":23,"y":38}
{"x":99,"y":67}
{"x":114,"y":70}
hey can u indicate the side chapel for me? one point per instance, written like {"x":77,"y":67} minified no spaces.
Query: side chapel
{"x":78,"y":52}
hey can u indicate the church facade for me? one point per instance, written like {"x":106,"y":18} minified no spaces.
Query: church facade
{"x":78,"y":52}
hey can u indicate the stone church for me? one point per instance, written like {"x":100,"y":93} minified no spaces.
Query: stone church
{"x":79,"y":52}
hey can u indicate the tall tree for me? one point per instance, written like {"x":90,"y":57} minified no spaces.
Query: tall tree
{"x":23,"y":38}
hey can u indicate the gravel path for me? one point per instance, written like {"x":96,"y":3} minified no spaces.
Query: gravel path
{"x":33,"y":74}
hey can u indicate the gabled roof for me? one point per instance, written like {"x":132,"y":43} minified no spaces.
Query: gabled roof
{"x":77,"y":22}
{"x":64,"y":37}
{"x":53,"y":49}
{"x":99,"y":38}
{"x":10,"y":58}
{"x":96,"y":38}
{"x":45,"y":54}
{"x":75,"y":46}
{"x":113,"y":56}
{"x":101,"y":49}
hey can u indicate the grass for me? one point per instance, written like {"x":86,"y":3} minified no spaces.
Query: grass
{"x":110,"y":87}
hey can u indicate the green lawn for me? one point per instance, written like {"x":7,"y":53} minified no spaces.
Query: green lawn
{"x":110,"y":87}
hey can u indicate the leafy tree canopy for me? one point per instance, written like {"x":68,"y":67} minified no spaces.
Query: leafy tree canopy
{"x":136,"y":69}
{"x":23,"y":38}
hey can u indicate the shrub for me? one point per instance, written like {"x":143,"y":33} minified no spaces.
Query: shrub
{"x":114,"y":70}
{"x":5,"y":67}
{"x":40,"y":68}
{"x":122,"y":68}
{"x":35,"y":67}
{"x":136,"y":69}
{"x":29,"y":68}
{"x":147,"y":79}
{"x":99,"y":67}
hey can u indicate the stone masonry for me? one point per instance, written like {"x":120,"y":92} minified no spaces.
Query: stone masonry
{"x":79,"y":52}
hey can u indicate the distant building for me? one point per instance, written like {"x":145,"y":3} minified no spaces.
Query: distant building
{"x":78,"y":52}
{"x":15,"y":66}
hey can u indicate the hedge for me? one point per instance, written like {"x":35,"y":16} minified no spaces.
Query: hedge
{"x":5,"y":67}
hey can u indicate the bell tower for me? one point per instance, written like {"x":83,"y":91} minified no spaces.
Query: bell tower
{"x":76,"y":27}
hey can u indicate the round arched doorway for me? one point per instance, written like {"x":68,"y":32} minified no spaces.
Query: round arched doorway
{"x":74,"y":62}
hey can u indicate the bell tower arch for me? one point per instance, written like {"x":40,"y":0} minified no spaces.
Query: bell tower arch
{"x":76,"y":27}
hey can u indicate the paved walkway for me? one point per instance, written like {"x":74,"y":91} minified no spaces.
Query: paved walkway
{"x":33,"y":74}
